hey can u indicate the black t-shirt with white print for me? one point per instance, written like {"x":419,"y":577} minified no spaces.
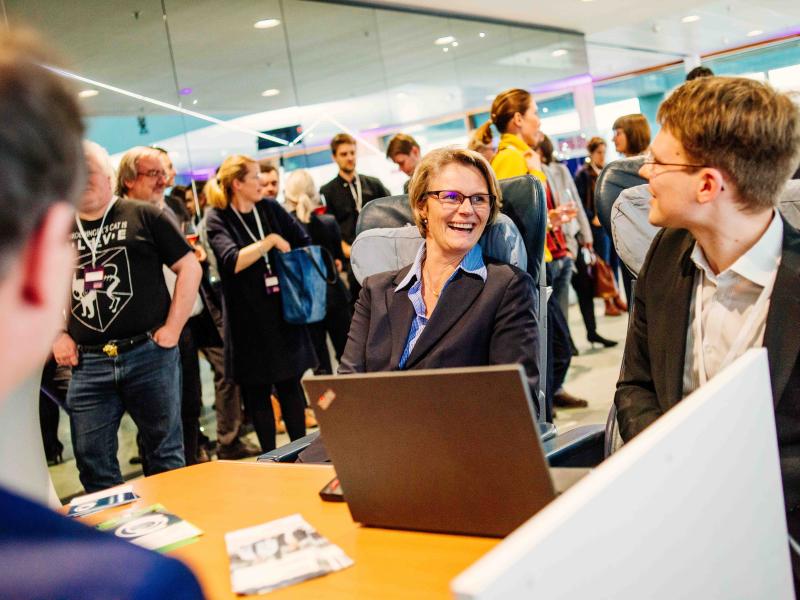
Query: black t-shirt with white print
{"x":137,"y":239}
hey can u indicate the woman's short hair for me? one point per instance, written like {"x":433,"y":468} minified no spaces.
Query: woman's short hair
{"x":219,"y":189}
{"x":594,"y":144}
{"x":744,"y":128}
{"x":301,"y":195}
{"x":505,"y":106}
{"x":636,"y":130}
{"x":433,"y":162}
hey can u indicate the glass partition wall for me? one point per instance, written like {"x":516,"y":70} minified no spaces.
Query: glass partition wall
{"x":283,"y":76}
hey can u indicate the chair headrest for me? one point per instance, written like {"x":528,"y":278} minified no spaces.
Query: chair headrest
{"x":616,"y":176}
{"x":523,"y":202}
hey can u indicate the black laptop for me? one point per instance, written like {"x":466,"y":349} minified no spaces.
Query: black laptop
{"x":444,"y":450}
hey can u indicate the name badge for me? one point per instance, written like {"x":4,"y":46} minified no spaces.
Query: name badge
{"x":93,"y":278}
{"x":271,"y":282}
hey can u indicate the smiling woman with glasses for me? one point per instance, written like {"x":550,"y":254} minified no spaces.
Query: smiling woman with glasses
{"x":453,"y":307}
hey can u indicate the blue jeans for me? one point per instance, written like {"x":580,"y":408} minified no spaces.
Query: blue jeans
{"x":146,"y":382}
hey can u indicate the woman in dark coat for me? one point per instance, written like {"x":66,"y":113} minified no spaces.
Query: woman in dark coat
{"x":261,"y":348}
{"x":303,"y":202}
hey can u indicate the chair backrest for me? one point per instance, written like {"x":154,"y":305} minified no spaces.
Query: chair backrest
{"x":523,"y":202}
{"x":525,"y":205}
{"x":616,"y":176}
{"x":392,"y":248}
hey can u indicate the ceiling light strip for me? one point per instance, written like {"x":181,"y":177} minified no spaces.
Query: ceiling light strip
{"x":355,"y":135}
{"x":167,"y":105}
{"x":300,"y":137}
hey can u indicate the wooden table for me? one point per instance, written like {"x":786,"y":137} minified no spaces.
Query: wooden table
{"x":222,"y":496}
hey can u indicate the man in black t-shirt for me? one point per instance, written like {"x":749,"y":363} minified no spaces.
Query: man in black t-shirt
{"x":345,"y":194}
{"x":122,"y":328}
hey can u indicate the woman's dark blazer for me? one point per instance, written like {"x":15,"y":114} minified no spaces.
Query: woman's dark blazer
{"x":260,"y":347}
{"x":475,"y":323}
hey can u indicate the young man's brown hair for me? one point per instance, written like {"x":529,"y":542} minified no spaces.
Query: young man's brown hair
{"x":401,"y":143}
{"x":340,"y":139}
{"x":742,"y":127}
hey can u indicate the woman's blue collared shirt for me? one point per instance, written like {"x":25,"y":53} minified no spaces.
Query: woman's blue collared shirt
{"x":471,"y":263}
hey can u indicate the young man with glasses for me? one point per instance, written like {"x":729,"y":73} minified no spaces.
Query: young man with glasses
{"x":723,"y":275}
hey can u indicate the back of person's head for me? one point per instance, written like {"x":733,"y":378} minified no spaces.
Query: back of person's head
{"x":219,"y":189}
{"x":128,"y":169}
{"x":42,"y":174}
{"x":545,"y":149}
{"x":436,"y":160}
{"x":340,"y":139}
{"x":401,"y":144}
{"x":594,"y":143}
{"x":744,"y":128}
{"x":698,"y":72}
{"x":505,"y":106}
{"x":41,"y":156}
{"x":637,"y":132}
{"x":301,"y":195}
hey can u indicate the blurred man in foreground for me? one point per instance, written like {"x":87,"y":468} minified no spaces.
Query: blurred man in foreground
{"x":42,"y":173}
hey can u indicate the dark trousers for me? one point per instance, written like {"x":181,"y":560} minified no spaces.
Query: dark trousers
{"x":191,"y":393}
{"x":583,"y":285}
{"x":559,"y":349}
{"x":227,"y":401}
{"x":258,"y":405}
{"x":53,"y":390}
{"x":336,"y":324}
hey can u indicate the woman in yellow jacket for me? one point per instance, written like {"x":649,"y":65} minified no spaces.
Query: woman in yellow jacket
{"x":516,"y":117}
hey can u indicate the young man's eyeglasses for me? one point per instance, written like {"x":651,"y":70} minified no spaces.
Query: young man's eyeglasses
{"x":453,"y":198}
{"x":651,"y":160}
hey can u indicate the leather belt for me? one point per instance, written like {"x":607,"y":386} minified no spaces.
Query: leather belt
{"x":113,"y":348}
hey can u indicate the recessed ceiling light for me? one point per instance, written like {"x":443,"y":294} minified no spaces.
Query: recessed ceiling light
{"x":454,"y":44}
{"x":194,"y":101}
{"x":443,"y":41}
{"x":445,"y":49}
{"x":267,"y":23}
{"x":270,"y":92}
{"x":559,"y":52}
{"x":754,"y":33}
{"x":690,"y":18}
{"x":545,"y":110}
{"x":482,"y":34}
{"x":87,"y":93}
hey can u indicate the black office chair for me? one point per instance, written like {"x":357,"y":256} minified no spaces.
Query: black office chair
{"x":616,"y":176}
{"x":524,"y":202}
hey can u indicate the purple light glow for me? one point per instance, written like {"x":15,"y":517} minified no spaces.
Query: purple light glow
{"x":185,"y":91}
{"x":561,"y":84}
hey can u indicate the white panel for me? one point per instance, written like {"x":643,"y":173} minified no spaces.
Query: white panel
{"x":691,"y":508}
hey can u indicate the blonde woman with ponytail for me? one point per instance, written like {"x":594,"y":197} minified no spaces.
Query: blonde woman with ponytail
{"x":303,"y":201}
{"x":262,"y":350}
{"x":516,"y":117}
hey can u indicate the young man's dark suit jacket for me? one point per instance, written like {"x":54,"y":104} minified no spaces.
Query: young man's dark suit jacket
{"x":651,"y":381}
{"x":474,"y":323}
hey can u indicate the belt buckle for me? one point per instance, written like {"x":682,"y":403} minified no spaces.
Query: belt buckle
{"x":111,"y":350}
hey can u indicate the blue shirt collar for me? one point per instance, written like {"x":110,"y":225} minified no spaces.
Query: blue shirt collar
{"x":471,"y":263}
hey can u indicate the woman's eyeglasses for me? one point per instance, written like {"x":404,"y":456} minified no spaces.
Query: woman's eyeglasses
{"x":453,"y":198}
